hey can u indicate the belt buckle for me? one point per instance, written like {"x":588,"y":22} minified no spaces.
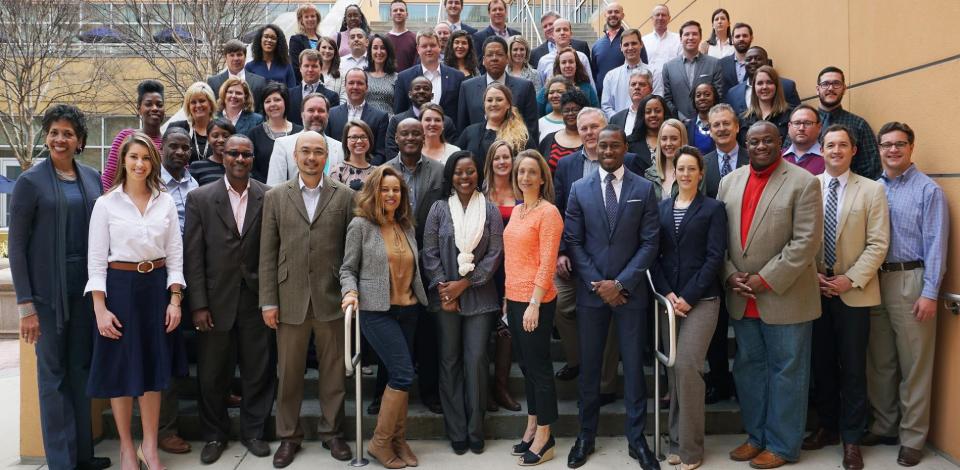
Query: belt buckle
{"x":147,"y":270}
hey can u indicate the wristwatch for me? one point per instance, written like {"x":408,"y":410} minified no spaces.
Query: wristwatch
{"x":620,"y":288}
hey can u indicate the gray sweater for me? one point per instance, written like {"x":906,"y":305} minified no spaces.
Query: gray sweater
{"x":366,"y":269}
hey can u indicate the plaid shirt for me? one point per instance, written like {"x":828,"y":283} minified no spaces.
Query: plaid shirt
{"x":866,"y":162}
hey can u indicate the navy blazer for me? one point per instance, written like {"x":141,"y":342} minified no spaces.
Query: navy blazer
{"x":468,"y":28}
{"x":254,"y":81}
{"x":295,"y":102}
{"x":692,"y":256}
{"x":482,"y":35}
{"x":450,"y":79}
{"x":470,"y":102}
{"x":570,"y":170}
{"x":737,"y":97}
{"x":376,"y":119}
{"x":37,"y":249}
{"x":449,"y":131}
{"x":728,"y":70}
{"x":247,"y":121}
{"x":712,"y":171}
{"x":624,"y":253}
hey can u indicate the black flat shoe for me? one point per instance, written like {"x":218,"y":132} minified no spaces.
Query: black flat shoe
{"x":529,"y":458}
{"x":459,"y":447}
{"x":95,"y":463}
{"x":568,"y":372}
{"x":374,"y":407}
{"x":579,"y":453}
{"x":477,"y":447}
{"x":521,"y":448}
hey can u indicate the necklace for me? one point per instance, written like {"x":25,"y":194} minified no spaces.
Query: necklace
{"x":397,"y":240}
{"x":66,"y":175}
{"x":527,"y":210}
{"x":200,"y":153}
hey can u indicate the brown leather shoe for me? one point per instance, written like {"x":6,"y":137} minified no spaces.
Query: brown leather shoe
{"x":852,"y":460}
{"x":909,"y":457}
{"x":767,"y":459}
{"x":819,"y":439}
{"x":173,"y":444}
{"x":285,"y":453}
{"x":744,"y":452}
{"x":338,"y":449}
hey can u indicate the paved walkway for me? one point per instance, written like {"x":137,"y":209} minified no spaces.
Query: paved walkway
{"x":611,"y":452}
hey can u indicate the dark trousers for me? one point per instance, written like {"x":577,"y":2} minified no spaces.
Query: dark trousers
{"x":464,"y":367}
{"x":533,"y":352}
{"x":718,"y":354}
{"x":839,"y":368}
{"x":249,"y":343}
{"x":391,"y":334}
{"x":592,"y":327}
{"x":427,"y":356}
{"x":63,"y":366}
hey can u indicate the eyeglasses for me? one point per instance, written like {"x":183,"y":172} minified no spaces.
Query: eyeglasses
{"x":834,"y":84}
{"x":238,"y":154}
{"x":357,"y":138}
{"x":802,"y":124}
{"x":900,"y":145}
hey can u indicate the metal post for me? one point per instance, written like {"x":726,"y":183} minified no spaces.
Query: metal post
{"x":351,"y":361}
{"x":666,"y":359}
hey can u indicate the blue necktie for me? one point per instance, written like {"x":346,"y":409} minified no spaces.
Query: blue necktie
{"x":725,"y":169}
{"x":610,"y":201}
{"x":830,"y":226}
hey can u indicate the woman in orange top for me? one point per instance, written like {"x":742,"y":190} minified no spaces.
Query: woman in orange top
{"x":530,"y":244}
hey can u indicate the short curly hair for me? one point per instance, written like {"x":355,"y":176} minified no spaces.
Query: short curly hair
{"x":71,"y":114}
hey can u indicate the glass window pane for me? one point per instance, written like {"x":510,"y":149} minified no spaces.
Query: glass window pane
{"x":91,"y":157}
{"x":115,"y":124}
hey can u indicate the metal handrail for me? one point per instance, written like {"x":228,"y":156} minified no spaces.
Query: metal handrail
{"x":351,"y":361}
{"x":667,"y":359}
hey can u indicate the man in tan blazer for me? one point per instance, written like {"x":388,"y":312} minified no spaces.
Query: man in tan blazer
{"x":856,"y":234}
{"x":304,"y":227}
{"x":775,"y":230}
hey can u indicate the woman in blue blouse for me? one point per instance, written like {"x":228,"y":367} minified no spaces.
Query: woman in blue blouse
{"x":568,"y":65}
{"x":704,"y":96}
{"x":270,"y":57}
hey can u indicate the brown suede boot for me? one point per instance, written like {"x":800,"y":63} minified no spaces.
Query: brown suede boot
{"x":501,"y":373}
{"x":400,"y":446}
{"x":381,"y":445}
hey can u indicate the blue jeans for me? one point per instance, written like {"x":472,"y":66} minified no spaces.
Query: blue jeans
{"x":772,"y":373}
{"x":391,"y":335}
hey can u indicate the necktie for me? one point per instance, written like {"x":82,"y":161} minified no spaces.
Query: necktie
{"x":830,"y":226}
{"x":307,"y":89}
{"x":610,"y":201}
{"x":725,"y":169}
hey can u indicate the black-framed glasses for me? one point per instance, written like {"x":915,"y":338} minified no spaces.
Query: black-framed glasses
{"x":834,"y":84}
{"x":900,"y":145}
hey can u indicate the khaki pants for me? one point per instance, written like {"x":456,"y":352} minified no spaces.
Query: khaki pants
{"x":900,"y":361}
{"x":566,"y":321}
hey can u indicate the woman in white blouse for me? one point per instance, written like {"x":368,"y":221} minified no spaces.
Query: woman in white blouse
{"x":720,"y":43}
{"x":135,"y":255}
{"x":435,"y":146}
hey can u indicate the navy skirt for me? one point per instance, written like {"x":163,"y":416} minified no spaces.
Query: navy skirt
{"x":145,"y":356}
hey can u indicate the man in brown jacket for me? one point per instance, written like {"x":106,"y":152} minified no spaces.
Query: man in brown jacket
{"x":775,"y":231}
{"x":304,"y":227}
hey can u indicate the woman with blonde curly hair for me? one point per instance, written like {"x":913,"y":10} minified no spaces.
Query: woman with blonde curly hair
{"x":200,"y":107}
{"x":503,"y":122}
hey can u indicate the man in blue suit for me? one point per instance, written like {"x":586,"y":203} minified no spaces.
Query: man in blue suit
{"x":734,"y":66}
{"x":446,"y":80}
{"x":470,"y":102}
{"x":737,"y":97}
{"x":497,"y":11}
{"x":356,"y":107}
{"x":453,"y":9}
{"x":612,"y":253}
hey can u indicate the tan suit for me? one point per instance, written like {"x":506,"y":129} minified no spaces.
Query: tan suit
{"x":300,"y":263}
{"x":863,"y":235}
{"x":784,"y":237}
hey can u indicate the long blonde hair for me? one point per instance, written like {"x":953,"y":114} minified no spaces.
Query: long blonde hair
{"x":659,"y":161}
{"x":512,"y":130}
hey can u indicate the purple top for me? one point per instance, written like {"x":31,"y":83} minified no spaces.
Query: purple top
{"x":811,"y":160}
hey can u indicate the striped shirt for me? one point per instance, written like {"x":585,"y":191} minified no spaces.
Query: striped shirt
{"x":918,"y":234}
{"x":678,"y":214}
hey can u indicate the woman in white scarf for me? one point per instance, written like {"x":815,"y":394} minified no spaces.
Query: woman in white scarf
{"x":462,"y":250}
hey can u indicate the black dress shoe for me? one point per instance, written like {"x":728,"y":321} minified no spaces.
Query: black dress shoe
{"x":521,"y":448}
{"x":459,"y":447}
{"x":578,"y":454}
{"x":531,"y":458}
{"x":477,"y":447}
{"x":607,"y":398}
{"x":712,"y":396}
{"x":212,"y":451}
{"x":374,"y":407}
{"x":257,"y":447}
{"x":434,"y":407}
{"x":95,"y":463}
{"x":645,"y":457}
{"x":568,"y":372}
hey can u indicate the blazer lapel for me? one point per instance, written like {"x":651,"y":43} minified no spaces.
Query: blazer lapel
{"x":225,"y":210}
{"x":293,"y":192}
{"x":849,"y":196}
{"x":254,"y":204}
{"x":769,"y":193}
{"x":738,"y":184}
{"x":687,"y":216}
{"x":596,"y":193}
{"x":625,"y":189}
{"x":326,"y":194}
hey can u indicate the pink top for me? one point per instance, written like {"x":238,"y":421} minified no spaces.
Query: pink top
{"x":530,"y":244}
{"x":110,"y":166}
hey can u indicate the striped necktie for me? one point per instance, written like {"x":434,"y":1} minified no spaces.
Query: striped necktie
{"x":610,"y":201}
{"x":830,"y":226}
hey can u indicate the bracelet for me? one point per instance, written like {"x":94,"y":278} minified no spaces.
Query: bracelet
{"x":175,"y":305}
{"x":26,"y":310}
{"x":177,"y":293}
{"x":534,"y":302}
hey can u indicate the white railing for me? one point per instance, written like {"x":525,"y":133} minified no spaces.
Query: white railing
{"x":666,"y":359}
{"x":351,"y":321}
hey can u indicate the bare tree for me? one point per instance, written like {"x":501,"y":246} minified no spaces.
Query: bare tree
{"x":181,"y":40}
{"x":41,"y":65}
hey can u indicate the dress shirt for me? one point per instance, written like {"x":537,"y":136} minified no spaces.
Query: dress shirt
{"x":238,"y":203}
{"x":311,"y":196}
{"x":118,"y":232}
{"x":348,"y":62}
{"x":242,"y":75}
{"x":591,"y":166}
{"x":617,"y":181}
{"x":733,"y":158}
{"x":661,"y":50}
{"x":631,"y":120}
{"x":741,"y":69}
{"x":916,"y":234}
{"x":502,"y":80}
{"x":436,"y":81}
{"x":825,"y":188}
{"x":616,"y":88}
{"x":752,"y":193}
{"x":178,"y":189}
{"x":811,"y":160}
{"x":412,"y":178}
{"x":690,"y":67}
{"x":354,"y":112}
{"x":747,"y":96}
{"x":310,"y":87}
{"x":455,"y":26}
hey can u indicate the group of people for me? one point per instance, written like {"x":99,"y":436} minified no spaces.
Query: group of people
{"x":320,"y":176}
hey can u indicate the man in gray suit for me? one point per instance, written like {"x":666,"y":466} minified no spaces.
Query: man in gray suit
{"x":302,"y":243}
{"x":775,"y":231}
{"x":235,"y":55}
{"x":222,"y":244}
{"x":681,"y":74}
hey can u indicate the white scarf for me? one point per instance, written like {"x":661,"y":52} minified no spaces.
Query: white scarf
{"x":467,"y":227}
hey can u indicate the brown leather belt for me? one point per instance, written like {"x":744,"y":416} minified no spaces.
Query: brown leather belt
{"x":893,"y":267}
{"x":142,"y":267}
